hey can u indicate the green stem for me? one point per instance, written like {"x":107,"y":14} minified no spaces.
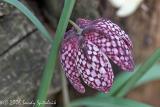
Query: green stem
{"x":65,"y":90}
{"x":49,"y":68}
{"x":139,"y":73}
{"x":79,"y":30}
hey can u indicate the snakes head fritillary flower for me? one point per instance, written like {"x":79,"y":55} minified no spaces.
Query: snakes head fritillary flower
{"x":86,"y":55}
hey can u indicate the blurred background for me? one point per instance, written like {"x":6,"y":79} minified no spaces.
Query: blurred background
{"x":23,"y":52}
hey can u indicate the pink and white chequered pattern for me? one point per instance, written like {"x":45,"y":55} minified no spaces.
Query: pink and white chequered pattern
{"x":88,"y":55}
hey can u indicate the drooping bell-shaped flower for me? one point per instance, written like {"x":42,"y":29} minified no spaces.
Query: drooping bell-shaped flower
{"x":87,"y":54}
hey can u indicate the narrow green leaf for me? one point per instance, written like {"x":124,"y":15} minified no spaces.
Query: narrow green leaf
{"x":139,"y":73}
{"x":106,"y":101}
{"x":32,"y":18}
{"x":152,"y":74}
{"x":120,"y":80}
{"x":49,"y":68}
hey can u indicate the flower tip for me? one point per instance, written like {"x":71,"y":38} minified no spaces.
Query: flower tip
{"x":82,"y":90}
{"x":104,"y":89}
